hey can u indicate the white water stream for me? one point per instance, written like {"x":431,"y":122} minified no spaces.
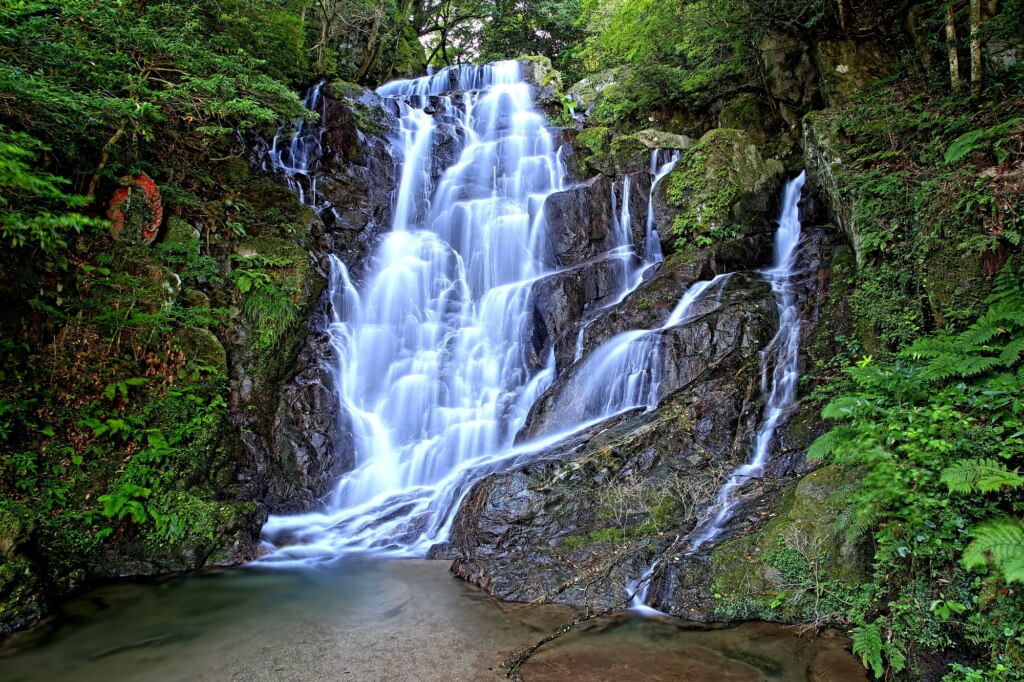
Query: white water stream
{"x":782,"y":354}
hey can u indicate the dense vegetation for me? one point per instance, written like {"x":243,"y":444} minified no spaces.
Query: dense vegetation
{"x":114,"y":387}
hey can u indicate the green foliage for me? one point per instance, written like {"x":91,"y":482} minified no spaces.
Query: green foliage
{"x":269,"y":296}
{"x":997,"y":138}
{"x":1001,"y":543}
{"x":947,"y":412}
{"x":34,"y":208}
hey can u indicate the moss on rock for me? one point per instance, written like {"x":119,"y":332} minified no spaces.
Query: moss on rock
{"x":793,"y":565}
{"x":720,"y":187}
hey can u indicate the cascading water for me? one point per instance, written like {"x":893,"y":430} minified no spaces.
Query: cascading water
{"x":662,"y":163}
{"x":297,"y":147}
{"x":433,"y":373}
{"x":783,"y":352}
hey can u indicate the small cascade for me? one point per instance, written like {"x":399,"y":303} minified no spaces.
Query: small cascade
{"x":782,"y":355}
{"x":624,"y":372}
{"x":297,"y":148}
{"x":662,"y":163}
{"x":632,"y":276}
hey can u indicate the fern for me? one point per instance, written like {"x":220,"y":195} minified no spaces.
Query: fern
{"x":1000,"y":541}
{"x":875,"y":650}
{"x":980,"y":475}
{"x":973,"y":140}
{"x":867,"y":643}
{"x":832,"y":441}
{"x":994,"y":341}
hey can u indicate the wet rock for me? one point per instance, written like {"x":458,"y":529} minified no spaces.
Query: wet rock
{"x":723,"y":334}
{"x":312,"y":435}
{"x":566,"y":528}
{"x":545,"y":83}
{"x":581,"y":220}
{"x":560,"y":301}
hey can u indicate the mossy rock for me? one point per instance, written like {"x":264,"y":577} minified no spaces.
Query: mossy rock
{"x":593,"y":152}
{"x":956,"y":285}
{"x":744,"y":112}
{"x":777,"y":572}
{"x":232,"y":171}
{"x":659,"y":139}
{"x":537,"y":69}
{"x":202,"y":344}
{"x":182,"y":233}
{"x":342,"y":89}
{"x":629,"y":154}
{"x":721,"y":187}
{"x":277,"y":212}
{"x":21,"y":593}
{"x":586,"y":92}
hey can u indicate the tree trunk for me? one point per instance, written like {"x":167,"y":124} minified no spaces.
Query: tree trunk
{"x":954,"y":61}
{"x":976,"y":76}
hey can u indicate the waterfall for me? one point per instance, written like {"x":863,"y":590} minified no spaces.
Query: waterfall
{"x":432,"y":370}
{"x":432,"y":367}
{"x":782,"y":355}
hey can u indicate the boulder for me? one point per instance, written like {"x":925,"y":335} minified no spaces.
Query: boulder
{"x":722,"y":188}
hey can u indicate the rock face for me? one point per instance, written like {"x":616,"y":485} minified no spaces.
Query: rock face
{"x":297,"y":443}
{"x":724,"y":334}
{"x":791,"y":76}
{"x":584,"y":219}
{"x":846,"y":65}
{"x":721,"y":188}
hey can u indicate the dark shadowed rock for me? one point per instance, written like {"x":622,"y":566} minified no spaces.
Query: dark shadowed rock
{"x":580,"y":220}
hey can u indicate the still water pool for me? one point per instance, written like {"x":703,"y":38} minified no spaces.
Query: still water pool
{"x":380,"y":620}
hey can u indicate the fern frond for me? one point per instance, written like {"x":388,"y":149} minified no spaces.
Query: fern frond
{"x":1010,"y":354}
{"x":932,"y":346}
{"x":867,"y":643}
{"x":829,"y":442}
{"x":1006,"y":285}
{"x":843,"y":407}
{"x":1000,"y":541}
{"x":983,"y":475}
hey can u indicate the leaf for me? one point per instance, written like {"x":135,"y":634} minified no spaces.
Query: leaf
{"x":1001,"y":542}
{"x":867,"y":643}
{"x":984,"y":475}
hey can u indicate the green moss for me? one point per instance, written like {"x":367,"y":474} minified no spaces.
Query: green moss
{"x":629,"y":154}
{"x":744,"y":112}
{"x":794,"y":566}
{"x":713,"y":184}
{"x":342,"y":89}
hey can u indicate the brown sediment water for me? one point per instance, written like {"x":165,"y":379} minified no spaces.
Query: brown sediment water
{"x":375,"y":620}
